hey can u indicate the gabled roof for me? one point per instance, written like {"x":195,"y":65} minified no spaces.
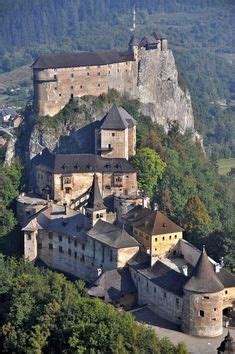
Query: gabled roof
{"x":112,"y":235}
{"x":79,"y":163}
{"x":151,"y":222}
{"x":133,"y":41}
{"x":158,"y":35}
{"x":204,"y":279}
{"x":67,"y":60}
{"x":117,"y":119}
{"x":95,"y":200}
{"x":112,"y":285}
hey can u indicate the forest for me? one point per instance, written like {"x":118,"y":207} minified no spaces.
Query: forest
{"x":199,"y":32}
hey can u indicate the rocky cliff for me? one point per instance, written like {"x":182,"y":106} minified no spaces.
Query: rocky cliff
{"x":160,"y":95}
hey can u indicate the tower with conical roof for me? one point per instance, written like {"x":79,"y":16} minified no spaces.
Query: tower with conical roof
{"x":95,"y":208}
{"x":203,"y":301}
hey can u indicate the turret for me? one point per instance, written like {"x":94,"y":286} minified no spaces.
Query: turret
{"x":133,"y":46}
{"x":203,"y":301}
{"x":95,"y":208}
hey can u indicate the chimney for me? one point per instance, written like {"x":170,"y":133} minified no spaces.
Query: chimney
{"x":65,"y":208}
{"x":185,"y":269}
{"x":145,"y":201}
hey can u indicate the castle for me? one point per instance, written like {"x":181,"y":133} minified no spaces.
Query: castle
{"x":146,"y":71}
{"x":89,"y":220}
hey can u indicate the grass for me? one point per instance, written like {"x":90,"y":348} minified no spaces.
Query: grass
{"x":225,"y":165}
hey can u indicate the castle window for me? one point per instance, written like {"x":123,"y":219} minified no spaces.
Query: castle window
{"x":201,"y":313}
{"x":113,"y":134}
{"x":170,"y":237}
{"x":98,"y":85}
{"x":71,"y":96}
{"x":55,"y":76}
{"x":213,"y":319}
{"x":177,"y":302}
{"x":67,"y":190}
{"x":69,"y":252}
{"x":98,"y":73}
{"x":175,"y":236}
{"x":69,"y":240}
{"x":163,"y":238}
{"x":60,"y":94}
{"x":88,"y":74}
{"x":80,"y":86}
{"x":75,"y":255}
{"x":155,"y":239}
{"x":101,"y":215}
{"x":61,"y":249}
{"x":83,"y":258}
{"x":214,"y":308}
{"x":126,"y":70}
{"x":226,"y":292}
{"x":118,"y":70}
{"x":83,"y":246}
{"x":75,"y":243}
{"x":97,"y":216}
{"x":111,"y":256}
{"x":109,"y":72}
{"x":205,"y":298}
{"x":155,"y":290}
{"x":72,"y":75}
{"x":50,"y":246}
{"x":55,"y":88}
{"x":28,"y":236}
{"x":164,"y":295}
{"x":126,"y":63}
{"x":39,"y":246}
{"x":60,"y":238}
{"x":50,"y":234}
{"x":71,"y":87}
{"x":155,"y":248}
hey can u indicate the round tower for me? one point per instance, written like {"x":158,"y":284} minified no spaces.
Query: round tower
{"x":203,"y":301}
{"x":133,"y":46}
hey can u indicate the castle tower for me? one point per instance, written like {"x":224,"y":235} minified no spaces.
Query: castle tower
{"x":203,"y":301}
{"x":133,"y":47}
{"x":95,"y":208}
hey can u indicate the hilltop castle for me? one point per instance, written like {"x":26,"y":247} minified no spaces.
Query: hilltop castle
{"x":146,"y":71}
{"x":95,"y":225}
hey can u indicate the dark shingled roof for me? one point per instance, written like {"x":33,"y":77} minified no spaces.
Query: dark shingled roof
{"x":95,"y":200}
{"x":112,"y":285}
{"x":158,"y":35}
{"x":133,"y":41}
{"x":204,"y":279}
{"x":67,"y":60}
{"x":79,"y":163}
{"x":117,"y":119}
{"x":151,"y":222}
{"x":112,"y":235}
{"x":165,"y":277}
{"x":226,"y":278}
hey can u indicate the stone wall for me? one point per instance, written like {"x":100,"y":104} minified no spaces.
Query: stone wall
{"x":53,"y":88}
{"x":164,"y":303}
{"x":81,"y":257}
{"x":117,"y":141}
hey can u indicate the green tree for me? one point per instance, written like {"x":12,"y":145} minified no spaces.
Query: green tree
{"x":150,"y":169}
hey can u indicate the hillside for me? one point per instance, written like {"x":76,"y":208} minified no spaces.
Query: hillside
{"x":200,"y":33}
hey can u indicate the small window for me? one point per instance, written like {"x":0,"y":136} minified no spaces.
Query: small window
{"x":155,"y":248}
{"x":201,"y":313}
{"x":155,"y":290}
{"x":97,"y":216}
{"x":50,"y":246}
{"x":98,"y":85}
{"x":83,"y":258}
{"x":170,"y":237}
{"x":60,"y":238}
{"x":113,"y":134}
{"x":83,"y":246}
{"x":75,"y":243}
{"x":72,"y":75}
{"x":60,"y":249}
{"x":175,"y":236}
{"x":118,"y":70}
{"x":60,"y":94}
{"x":28,"y":236}
{"x":67,"y":190}
{"x":55,"y":88}
{"x":163,"y":238}
{"x":98,"y":73}
{"x":71,"y":96}
{"x":101,"y":215}
{"x":164,"y":295}
{"x":50,"y":235}
{"x":111,"y":256}
{"x":214,"y":319}
{"x":69,"y":252}
{"x":55,"y":77}
{"x":88,"y":74}
{"x":226,"y":292}
{"x":80,"y":86}
{"x":71,"y":87}
{"x":214,"y":308}
{"x":155,"y":239}
{"x":69,"y":240}
{"x":75,"y":255}
{"x":109,"y":72}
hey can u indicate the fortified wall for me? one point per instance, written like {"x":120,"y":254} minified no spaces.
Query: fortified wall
{"x":146,"y":71}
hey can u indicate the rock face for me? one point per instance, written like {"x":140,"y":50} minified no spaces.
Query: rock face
{"x":159,"y":92}
{"x":10,"y":152}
